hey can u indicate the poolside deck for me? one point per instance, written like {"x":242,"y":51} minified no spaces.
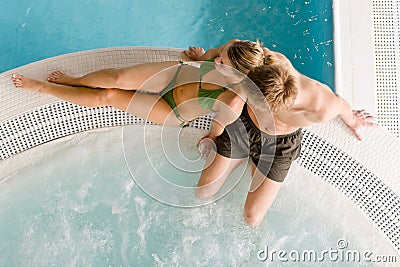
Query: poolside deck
{"x":367,"y":50}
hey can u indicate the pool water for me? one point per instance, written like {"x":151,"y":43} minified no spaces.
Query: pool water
{"x":34,"y":30}
{"x":75,"y":203}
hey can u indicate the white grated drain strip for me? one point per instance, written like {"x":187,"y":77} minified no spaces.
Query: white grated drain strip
{"x":386,"y":30}
{"x":372,"y":196}
{"x":61,"y":119}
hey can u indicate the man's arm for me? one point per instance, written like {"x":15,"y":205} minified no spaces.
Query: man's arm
{"x":355,"y":119}
{"x":332,"y":105}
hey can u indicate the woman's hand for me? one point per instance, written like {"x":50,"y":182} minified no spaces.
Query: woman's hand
{"x":194,"y":53}
{"x":205,"y":145}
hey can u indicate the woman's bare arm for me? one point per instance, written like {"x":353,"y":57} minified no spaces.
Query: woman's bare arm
{"x":228,"y":109}
{"x":198,"y":54}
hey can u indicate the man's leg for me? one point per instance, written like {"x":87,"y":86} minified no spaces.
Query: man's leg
{"x":215,"y":173}
{"x":261,"y":195}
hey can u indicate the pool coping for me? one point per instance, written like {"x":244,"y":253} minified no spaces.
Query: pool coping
{"x":354,"y":53}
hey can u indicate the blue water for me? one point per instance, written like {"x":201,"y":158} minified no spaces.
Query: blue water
{"x":74,"y":203}
{"x":301,"y":29}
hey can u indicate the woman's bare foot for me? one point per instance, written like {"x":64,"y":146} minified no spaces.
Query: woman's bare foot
{"x":23,"y":82}
{"x":59,"y":77}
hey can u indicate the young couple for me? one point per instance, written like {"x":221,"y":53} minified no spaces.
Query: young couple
{"x":262,"y":122}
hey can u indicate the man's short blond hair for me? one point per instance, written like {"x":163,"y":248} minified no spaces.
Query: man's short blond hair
{"x":276,"y":84}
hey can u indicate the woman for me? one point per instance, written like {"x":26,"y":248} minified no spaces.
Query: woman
{"x":187,"y":91}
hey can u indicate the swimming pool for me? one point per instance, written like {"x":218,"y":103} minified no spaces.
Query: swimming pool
{"x":90,"y":220}
{"x":59,"y":27}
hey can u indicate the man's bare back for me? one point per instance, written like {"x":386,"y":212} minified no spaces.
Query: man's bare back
{"x":315,"y":102}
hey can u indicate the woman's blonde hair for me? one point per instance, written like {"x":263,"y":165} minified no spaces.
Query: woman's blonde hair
{"x":246,"y":55}
{"x":277,"y":86}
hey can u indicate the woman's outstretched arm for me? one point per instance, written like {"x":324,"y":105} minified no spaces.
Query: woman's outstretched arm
{"x":198,"y":54}
{"x":228,"y":109}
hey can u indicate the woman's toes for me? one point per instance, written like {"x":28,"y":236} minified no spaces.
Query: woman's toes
{"x":54,"y":76}
{"x":17,"y":80}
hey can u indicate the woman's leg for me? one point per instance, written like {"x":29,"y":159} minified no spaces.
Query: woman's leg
{"x":149,"y":107}
{"x":217,"y":169}
{"x":260,"y":197}
{"x":130,"y":78}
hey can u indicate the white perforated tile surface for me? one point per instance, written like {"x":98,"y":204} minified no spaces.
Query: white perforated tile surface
{"x":386,"y":28}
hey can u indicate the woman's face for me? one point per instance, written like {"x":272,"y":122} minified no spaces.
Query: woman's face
{"x":224,"y":65}
{"x":223,"y":57}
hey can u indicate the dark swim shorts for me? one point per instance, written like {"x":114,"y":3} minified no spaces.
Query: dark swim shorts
{"x":271,"y":154}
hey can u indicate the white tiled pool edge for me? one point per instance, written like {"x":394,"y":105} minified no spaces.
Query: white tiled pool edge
{"x":354,"y":58}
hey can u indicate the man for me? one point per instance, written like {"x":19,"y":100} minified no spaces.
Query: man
{"x":272,"y":139}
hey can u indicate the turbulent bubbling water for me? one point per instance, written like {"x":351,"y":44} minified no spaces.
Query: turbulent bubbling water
{"x":74,"y":202}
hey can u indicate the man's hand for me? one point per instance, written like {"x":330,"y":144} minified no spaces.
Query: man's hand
{"x":361,"y":119}
{"x":194,"y":53}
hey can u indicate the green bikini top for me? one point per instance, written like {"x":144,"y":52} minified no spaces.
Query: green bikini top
{"x":206,"y":98}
